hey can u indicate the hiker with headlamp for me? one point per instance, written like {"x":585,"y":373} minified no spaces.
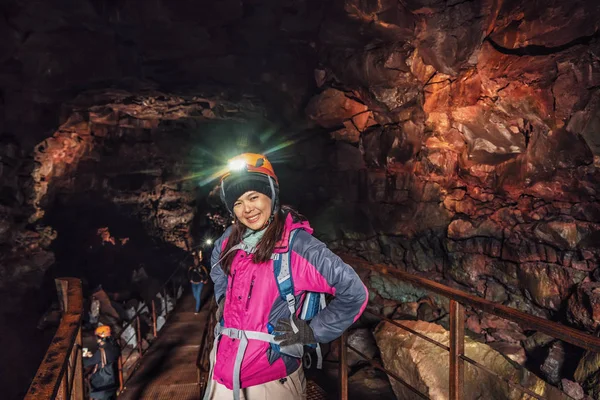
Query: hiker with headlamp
{"x":104,"y":380}
{"x":270,"y":276}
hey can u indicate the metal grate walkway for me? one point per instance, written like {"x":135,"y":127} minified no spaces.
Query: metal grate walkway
{"x":168,"y":370}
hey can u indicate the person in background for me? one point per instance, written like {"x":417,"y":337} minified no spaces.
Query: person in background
{"x":104,"y":380}
{"x":256,"y":327}
{"x":198,"y":276}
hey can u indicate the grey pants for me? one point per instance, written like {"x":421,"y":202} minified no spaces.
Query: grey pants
{"x":294,"y":388}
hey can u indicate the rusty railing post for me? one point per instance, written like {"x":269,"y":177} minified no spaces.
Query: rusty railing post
{"x":139,"y":335}
{"x":166,"y":303}
{"x":121,"y":382}
{"x":343,"y":368}
{"x":154,"y":318}
{"x":457,"y":349}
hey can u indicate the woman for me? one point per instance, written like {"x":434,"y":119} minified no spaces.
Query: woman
{"x":198,"y":276}
{"x":256,"y":326}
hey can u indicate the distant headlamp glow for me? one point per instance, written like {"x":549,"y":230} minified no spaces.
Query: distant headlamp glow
{"x":237,"y":165}
{"x":208,"y":242}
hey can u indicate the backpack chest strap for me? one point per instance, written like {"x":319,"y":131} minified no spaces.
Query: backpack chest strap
{"x":243,"y":337}
{"x":283,"y":276}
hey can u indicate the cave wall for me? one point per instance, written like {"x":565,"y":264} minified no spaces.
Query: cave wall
{"x":52,"y":50}
{"x":477,"y":127}
{"x":467,"y":131}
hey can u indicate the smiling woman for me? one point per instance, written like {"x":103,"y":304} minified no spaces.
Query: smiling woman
{"x":264,"y":266}
{"x":253,"y":209}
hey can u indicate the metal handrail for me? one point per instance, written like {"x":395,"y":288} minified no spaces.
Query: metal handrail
{"x":203,"y":359}
{"x":528,"y":321}
{"x":60,"y":375}
{"x":458,"y":299}
{"x":136,"y":318}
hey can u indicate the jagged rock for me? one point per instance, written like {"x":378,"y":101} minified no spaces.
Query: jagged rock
{"x":553,"y":364}
{"x":587,"y":373}
{"x":501,"y":329}
{"x":410,"y":220}
{"x":452,"y":36}
{"x":548,"y":285}
{"x":537,"y":340}
{"x":586,"y":123}
{"x":362,"y":340}
{"x":512,"y":351}
{"x":572,"y":389}
{"x":495,"y":292}
{"x":516,"y":27}
{"x":426,"y":312}
{"x":472,"y":269}
{"x":106,"y":307}
{"x":425,"y":254}
{"x":349,"y":133}
{"x":584,"y":306}
{"x":393,"y":289}
{"x":370,"y":383}
{"x":465,"y":229}
{"x":332,"y":107}
{"x":406,"y":310}
{"x":558,"y":234}
{"x":488,"y":134}
{"x":392,"y":248}
{"x":425,"y":366}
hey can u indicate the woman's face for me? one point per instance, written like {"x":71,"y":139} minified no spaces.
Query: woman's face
{"x":253,"y":209}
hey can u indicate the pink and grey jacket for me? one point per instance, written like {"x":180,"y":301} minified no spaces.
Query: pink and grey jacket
{"x":252,"y":301}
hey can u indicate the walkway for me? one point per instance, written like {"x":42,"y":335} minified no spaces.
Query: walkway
{"x":168,"y":370}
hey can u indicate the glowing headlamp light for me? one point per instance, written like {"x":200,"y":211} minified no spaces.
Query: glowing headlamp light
{"x":237,"y":165}
{"x":208,"y":242}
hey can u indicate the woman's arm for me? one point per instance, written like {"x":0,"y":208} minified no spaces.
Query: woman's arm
{"x":93,"y":360}
{"x":315,"y":268}
{"x":216,"y":273}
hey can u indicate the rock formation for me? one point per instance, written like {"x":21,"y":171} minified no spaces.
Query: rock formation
{"x":425,"y":366}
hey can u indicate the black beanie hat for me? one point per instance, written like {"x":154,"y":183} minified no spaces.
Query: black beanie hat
{"x":238,"y":184}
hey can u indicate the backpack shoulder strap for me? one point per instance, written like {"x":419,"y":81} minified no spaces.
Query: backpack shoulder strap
{"x":103,"y":357}
{"x":283,"y":274}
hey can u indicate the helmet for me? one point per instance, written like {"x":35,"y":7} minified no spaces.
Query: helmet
{"x":249,"y":171}
{"x":103,"y":331}
{"x":252,"y":163}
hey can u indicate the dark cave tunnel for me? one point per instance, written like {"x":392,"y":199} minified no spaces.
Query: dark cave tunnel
{"x":456,"y":140}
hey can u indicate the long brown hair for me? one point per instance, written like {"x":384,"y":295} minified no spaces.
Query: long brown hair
{"x":267,"y":243}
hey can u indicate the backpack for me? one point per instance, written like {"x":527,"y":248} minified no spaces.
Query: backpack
{"x":104,"y":376}
{"x":313,"y":301}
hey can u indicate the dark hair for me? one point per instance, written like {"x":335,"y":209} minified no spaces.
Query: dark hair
{"x":267,"y":243}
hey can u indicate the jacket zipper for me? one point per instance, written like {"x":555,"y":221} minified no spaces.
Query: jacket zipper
{"x":231,"y":286}
{"x":250,"y":293}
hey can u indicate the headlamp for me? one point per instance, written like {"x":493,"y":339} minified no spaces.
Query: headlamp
{"x":237,"y":165}
{"x":208,"y":242}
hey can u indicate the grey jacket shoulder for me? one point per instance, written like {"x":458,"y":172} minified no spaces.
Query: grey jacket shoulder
{"x":216,"y":273}
{"x":350,"y":293}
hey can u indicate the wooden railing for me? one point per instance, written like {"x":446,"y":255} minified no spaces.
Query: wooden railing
{"x":458,"y":300}
{"x":60,"y":375}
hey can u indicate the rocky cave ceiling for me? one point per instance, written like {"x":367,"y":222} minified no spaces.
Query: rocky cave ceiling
{"x":457,"y":138}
